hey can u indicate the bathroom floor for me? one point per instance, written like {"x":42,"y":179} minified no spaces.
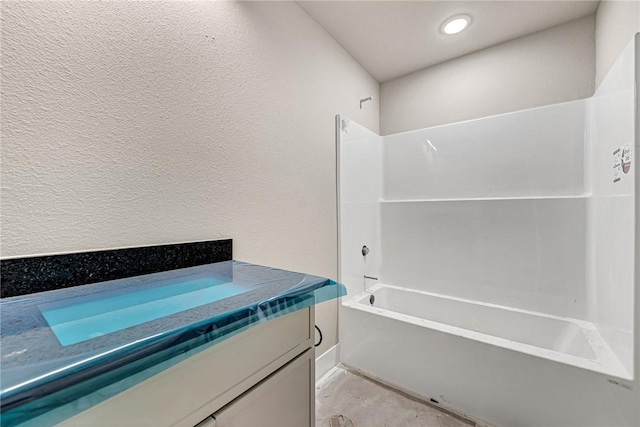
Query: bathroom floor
{"x":367,"y":403}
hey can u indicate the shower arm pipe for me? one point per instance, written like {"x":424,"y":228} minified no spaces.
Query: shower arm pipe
{"x":369,"y":98}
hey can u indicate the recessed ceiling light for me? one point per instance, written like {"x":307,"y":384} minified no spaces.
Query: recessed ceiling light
{"x":456,"y":24}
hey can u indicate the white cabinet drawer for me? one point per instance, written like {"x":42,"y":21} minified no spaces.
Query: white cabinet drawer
{"x":285,"y":399}
{"x":188,"y":392}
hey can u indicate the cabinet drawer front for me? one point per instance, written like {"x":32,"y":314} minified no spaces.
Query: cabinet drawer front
{"x":285,"y":399}
{"x":188,"y":392}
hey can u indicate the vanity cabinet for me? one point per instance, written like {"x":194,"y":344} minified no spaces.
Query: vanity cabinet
{"x":264,"y":376}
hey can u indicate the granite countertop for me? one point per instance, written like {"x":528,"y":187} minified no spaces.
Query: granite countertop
{"x":61,"y":345}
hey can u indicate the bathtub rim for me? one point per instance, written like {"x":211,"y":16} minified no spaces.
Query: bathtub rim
{"x":606,"y":363}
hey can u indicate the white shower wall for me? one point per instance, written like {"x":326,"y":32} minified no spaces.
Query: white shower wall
{"x":359,"y":180}
{"x":610,"y":208}
{"x":492,"y":209}
{"x":523,"y":253}
{"x":530,"y":153}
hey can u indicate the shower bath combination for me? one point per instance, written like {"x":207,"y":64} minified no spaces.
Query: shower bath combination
{"x":498,"y":278}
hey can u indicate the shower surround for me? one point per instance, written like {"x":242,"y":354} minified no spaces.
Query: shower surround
{"x":500,"y":279}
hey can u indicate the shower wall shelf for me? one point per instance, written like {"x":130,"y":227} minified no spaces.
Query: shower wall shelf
{"x":486,"y":199}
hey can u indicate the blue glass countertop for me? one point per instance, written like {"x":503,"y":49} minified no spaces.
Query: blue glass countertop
{"x":59,"y":348}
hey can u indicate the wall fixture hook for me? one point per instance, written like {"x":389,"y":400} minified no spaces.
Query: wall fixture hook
{"x":365,"y":251}
{"x":370,"y":98}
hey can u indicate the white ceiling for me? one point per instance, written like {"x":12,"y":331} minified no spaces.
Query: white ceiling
{"x":393,"y":38}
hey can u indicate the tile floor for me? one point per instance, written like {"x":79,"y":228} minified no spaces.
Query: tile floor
{"x":370,"y":404}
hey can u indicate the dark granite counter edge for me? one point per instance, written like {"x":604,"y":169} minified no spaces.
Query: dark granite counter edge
{"x":21,"y":276}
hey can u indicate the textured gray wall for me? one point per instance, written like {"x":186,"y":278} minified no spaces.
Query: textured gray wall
{"x":133,"y":123}
{"x":551,"y":66}
{"x":616,"y":23}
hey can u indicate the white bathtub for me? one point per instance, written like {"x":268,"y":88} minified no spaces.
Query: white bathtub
{"x":484,"y":359}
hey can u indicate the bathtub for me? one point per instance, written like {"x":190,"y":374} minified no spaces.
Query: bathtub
{"x":507,"y":366}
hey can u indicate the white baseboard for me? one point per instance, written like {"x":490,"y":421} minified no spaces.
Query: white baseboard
{"x":326,"y":361}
